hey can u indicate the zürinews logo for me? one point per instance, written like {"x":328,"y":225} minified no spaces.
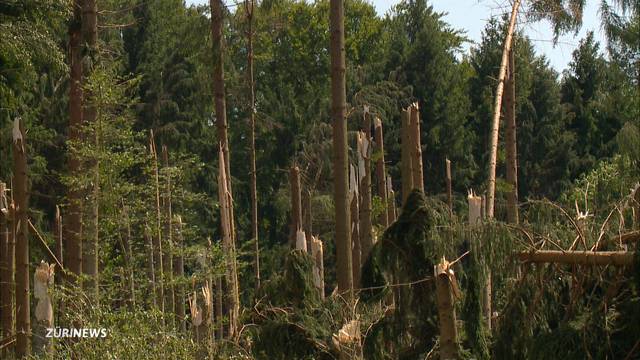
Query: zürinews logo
{"x":76,"y":333}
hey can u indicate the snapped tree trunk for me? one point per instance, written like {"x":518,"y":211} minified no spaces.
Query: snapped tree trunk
{"x":392,"y":211}
{"x":416,"y":148}
{"x":7,"y":257}
{"x":511,"y":143}
{"x":157,"y":237}
{"x":495,"y":124}
{"x":307,"y":218}
{"x":73,"y":227}
{"x":364,"y":173}
{"x":250,"y":7}
{"x":317,"y":253}
{"x":445,"y":294}
{"x":381,"y":177}
{"x":89,"y":37}
{"x":355,"y":228}
{"x":21,"y":225}
{"x":406,"y":166}
{"x":296,"y":205}
{"x":340,"y":154}
{"x":168,"y":231}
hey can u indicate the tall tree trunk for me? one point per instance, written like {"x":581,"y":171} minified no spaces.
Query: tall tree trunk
{"x":21,"y":224}
{"x":385,"y":217}
{"x":512,"y":151}
{"x":178,"y":272}
{"x":296,"y":205}
{"x":157,"y":237}
{"x":406,"y":166}
{"x":495,"y":124}
{"x":73,"y":228}
{"x":128,"y":255}
{"x":356,"y":252}
{"x":7,"y":257}
{"x":167,"y":260}
{"x":364,"y":169}
{"x":449,"y":190}
{"x":340,"y":155}
{"x":151,"y":267}
{"x":416,"y":148}
{"x":250,"y":7}
{"x":89,"y":37}
{"x":223,"y":141}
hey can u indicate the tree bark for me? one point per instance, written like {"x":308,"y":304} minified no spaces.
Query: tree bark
{"x":381,"y":177}
{"x":449,"y":190}
{"x":364,"y":173}
{"x":406,"y":165}
{"x":416,"y":148}
{"x":167,"y":260}
{"x":73,"y":228}
{"x":445,"y":282}
{"x":340,"y":154}
{"x":307,"y":218}
{"x":157,"y":237}
{"x":318,"y":258}
{"x":596,"y":258}
{"x":7,"y":257}
{"x":511,"y":143}
{"x":495,"y":124}
{"x":250,"y":7}
{"x":296,"y":205}
{"x":178,"y":272}
{"x":355,"y":229}
{"x":89,"y":37}
{"x":21,"y":225}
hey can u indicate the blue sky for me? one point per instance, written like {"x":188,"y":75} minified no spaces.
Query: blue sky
{"x":472,"y":15}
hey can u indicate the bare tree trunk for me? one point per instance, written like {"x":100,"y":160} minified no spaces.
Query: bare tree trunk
{"x":296,"y":205}
{"x":7,"y":257}
{"x":219,"y":302}
{"x":495,"y":127}
{"x":355,"y":228}
{"x":307,"y":218}
{"x":445,"y":282}
{"x":21,"y":225}
{"x":58,"y":235}
{"x":406,"y":166}
{"x":73,"y":228}
{"x":512,"y":152}
{"x":595,"y":258}
{"x":128,"y":255}
{"x":178,"y":272}
{"x":89,"y":37}
{"x":392,"y":211}
{"x":250,"y":7}
{"x":157,"y":238}
{"x":449,"y":190}
{"x":416,"y":148}
{"x":317,"y":252}
{"x":168,"y":231}
{"x":151,"y":271}
{"x":364,"y":173}
{"x":385,"y":218}
{"x":340,"y":154}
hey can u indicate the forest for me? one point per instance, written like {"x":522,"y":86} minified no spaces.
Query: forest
{"x":286,"y":179}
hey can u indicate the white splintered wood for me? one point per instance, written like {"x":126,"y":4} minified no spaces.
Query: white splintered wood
{"x":475,"y":208}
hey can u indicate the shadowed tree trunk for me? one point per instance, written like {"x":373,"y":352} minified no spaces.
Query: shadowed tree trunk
{"x":364,"y":170}
{"x":340,"y":156}
{"x":21,"y":225}
{"x":167,"y":260}
{"x":416,"y":148}
{"x":406,"y":166}
{"x":355,"y":228}
{"x":449,"y":190}
{"x":178,"y":272}
{"x":296,"y":205}
{"x":511,"y":143}
{"x":7,"y":257}
{"x":73,"y":227}
{"x":157,"y":237}
{"x":151,"y":268}
{"x":495,"y":124}
{"x":385,"y":217}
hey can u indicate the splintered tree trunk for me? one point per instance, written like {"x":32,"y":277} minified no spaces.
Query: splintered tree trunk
{"x":340,"y":154}
{"x":296,"y":205}
{"x":250,"y":7}
{"x":446,"y":311}
{"x":157,"y":237}
{"x":512,"y":152}
{"x":317,"y":252}
{"x":6,"y":267}
{"x":495,"y":124}
{"x":89,"y":37}
{"x":406,"y":166}
{"x":167,"y":260}
{"x":416,"y":148}
{"x":233,"y":302}
{"x":364,"y":172}
{"x":178,"y":272}
{"x":355,"y":228}
{"x":449,"y":190}
{"x":58,"y":235}
{"x":21,"y":225}
{"x":385,"y":217}
{"x":307,"y":218}
{"x":151,"y":271}
{"x":392,"y":211}
{"x":73,"y":227}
